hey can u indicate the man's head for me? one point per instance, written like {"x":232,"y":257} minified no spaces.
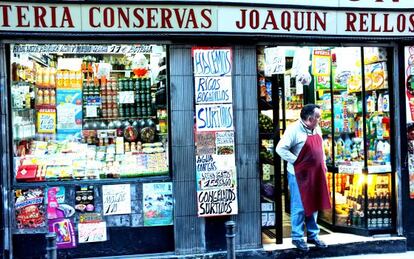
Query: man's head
{"x":310,"y":115}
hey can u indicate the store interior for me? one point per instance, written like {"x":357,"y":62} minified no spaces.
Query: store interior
{"x":351,"y":86}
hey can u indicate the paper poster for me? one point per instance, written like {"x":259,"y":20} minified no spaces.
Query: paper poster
{"x":214,"y":117}
{"x":85,"y":198}
{"x":125,"y":97}
{"x":205,"y":143}
{"x":92,"y":232}
{"x":215,"y":162}
{"x":212,"y":61}
{"x":116,"y":199}
{"x":158,"y":204}
{"x":216,"y":185}
{"x":225,"y":142}
{"x":215,"y":171}
{"x":321,"y":63}
{"x":69,"y":112}
{"x":29,"y":208}
{"x":275,"y":61}
{"x":65,"y":234}
{"x":217,"y":202}
{"x":46,"y":121}
{"x":213,"y":89}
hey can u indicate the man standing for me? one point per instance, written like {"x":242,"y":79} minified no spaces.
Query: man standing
{"x":301,"y":147}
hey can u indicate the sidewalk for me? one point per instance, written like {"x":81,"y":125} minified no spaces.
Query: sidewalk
{"x":406,"y":255}
{"x":340,"y":245}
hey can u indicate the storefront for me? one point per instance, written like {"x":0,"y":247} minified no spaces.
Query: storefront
{"x":142,"y":128}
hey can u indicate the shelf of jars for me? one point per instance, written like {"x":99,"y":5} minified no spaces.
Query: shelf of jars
{"x":77,"y":123}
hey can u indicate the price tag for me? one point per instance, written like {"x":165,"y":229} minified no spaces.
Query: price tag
{"x":46,"y":122}
{"x":126,"y":97}
{"x":349,"y":169}
{"x":127,"y":74}
{"x":91,"y":111}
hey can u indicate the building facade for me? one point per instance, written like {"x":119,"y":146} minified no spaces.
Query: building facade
{"x":142,"y":127}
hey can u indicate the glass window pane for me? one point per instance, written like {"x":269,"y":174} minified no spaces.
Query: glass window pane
{"x":89,"y":111}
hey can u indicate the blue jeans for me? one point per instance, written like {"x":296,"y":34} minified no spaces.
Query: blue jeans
{"x":297,"y":214}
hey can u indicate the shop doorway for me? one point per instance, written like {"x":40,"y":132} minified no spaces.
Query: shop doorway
{"x":351,"y":85}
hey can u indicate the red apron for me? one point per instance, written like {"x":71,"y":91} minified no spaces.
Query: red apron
{"x":310,"y":174}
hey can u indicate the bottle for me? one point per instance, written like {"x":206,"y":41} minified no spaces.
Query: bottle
{"x":46,"y":77}
{"x":386,"y":151}
{"x":371,"y":151}
{"x":52,"y":76}
{"x":39,"y":97}
{"x":39,"y":76}
{"x":347,"y":148}
{"x":65,"y":79}
{"x":59,"y":79}
{"x":52,"y":97}
{"x":379,"y":128}
{"x":386,"y":103}
{"x":385,"y":125}
{"x":46,"y":99}
{"x":373,"y":218}
{"x":27,"y":100}
{"x":380,"y":103}
{"x":350,"y":217}
{"x":78,"y":79}
{"x":339,"y":149}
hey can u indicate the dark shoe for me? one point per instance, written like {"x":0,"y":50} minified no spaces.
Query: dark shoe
{"x":317,"y":242}
{"x":301,"y":245}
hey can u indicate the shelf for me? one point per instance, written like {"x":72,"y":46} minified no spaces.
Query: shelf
{"x":139,"y":179}
{"x":121,"y":70}
{"x":266,"y":199}
{"x":45,"y":106}
{"x":23,"y":109}
{"x":120,"y":118}
{"x":375,"y":62}
{"x":266,"y":135}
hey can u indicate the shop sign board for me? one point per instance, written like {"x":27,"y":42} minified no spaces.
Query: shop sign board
{"x":205,"y":143}
{"x":214,"y":135}
{"x":213,"y":117}
{"x":342,"y":18}
{"x":324,"y":3}
{"x":211,"y":89}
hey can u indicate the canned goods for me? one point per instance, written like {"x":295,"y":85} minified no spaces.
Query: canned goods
{"x":120,"y":84}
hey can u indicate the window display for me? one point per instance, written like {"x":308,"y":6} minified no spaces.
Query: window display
{"x":361,"y":178}
{"x":89,"y":111}
{"x":351,"y":86}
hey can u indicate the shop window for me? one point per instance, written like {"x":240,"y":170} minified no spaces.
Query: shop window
{"x":89,"y":111}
